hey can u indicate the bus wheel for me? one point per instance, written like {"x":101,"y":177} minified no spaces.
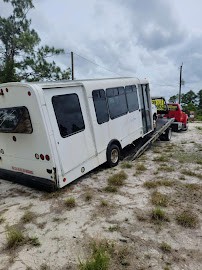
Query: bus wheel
{"x":113,"y":155}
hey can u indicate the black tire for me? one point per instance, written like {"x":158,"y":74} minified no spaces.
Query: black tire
{"x":184,"y":127}
{"x":167,"y":136}
{"x":113,"y":155}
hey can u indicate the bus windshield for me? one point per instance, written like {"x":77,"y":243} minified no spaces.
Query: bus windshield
{"x":15,"y":120}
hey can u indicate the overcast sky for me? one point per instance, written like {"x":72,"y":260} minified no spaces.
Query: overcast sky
{"x":141,"y":38}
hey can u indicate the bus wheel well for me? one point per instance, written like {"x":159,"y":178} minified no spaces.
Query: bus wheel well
{"x":116,"y":142}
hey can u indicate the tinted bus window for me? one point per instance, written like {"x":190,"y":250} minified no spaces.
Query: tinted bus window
{"x":132,"y":99}
{"x":15,"y":120}
{"x":68,"y":114}
{"x":116,"y":101}
{"x":100,"y":105}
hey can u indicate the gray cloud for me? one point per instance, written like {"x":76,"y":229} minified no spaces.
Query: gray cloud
{"x":132,"y":38}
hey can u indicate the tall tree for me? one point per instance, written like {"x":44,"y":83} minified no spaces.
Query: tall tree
{"x":199,"y":95}
{"x":173,"y":99}
{"x":189,"y":97}
{"x":20,"y":54}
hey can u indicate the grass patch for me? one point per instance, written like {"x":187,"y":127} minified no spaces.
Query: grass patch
{"x":88,"y":196}
{"x":165,"y":247}
{"x":99,"y":259}
{"x":104,"y":203}
{"x":191,"y":173}
{"x":70,"y":202}
{"x":157,"y":183}
{"x":157,"y":151}
{"x":187,"y":219}
{"x":158,"y":215}
{"x":159,"y":199}
{"x":117,"y":179}
{"x":34,"y":241}
{"x":166,"y":168}
{"x":111,"y":189}
{"x":193,"y":187}
{"x":113,"y":228}
{"x":2,"y":220}
{"x":161,"y":158}
{"x":182,"y":177}
{"x":126,"y":165}
{"x":14,"y":237}
{"x":199,"y":128}
{"x":110,"y":251}
{"x":141,"y":167}
{"x":188,"y":157}
{"x":28,"y":217}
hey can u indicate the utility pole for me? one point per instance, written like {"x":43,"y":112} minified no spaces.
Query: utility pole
{"x":72,"y":62}
{"x":180,"y":86}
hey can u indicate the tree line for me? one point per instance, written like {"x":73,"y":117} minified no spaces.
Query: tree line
{"x":190,"y":101}
{"x":21,"y":56}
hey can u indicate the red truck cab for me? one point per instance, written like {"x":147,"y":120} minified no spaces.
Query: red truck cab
{"x":181,"y":118}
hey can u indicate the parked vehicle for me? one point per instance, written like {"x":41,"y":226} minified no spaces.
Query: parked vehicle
{"x":55,"y":132}
{"x":181,"y":118}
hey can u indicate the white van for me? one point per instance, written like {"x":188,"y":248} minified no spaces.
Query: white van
{"x":55,"y":132}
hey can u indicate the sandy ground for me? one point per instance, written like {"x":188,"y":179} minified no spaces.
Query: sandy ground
{"x":122,"y":217}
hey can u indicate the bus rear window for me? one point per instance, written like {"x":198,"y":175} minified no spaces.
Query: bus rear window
{"x":15,"y":120}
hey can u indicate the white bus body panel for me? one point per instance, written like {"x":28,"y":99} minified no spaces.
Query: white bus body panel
{"x":19,"y":155}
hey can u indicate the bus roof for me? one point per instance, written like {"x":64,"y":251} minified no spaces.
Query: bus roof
{"x":88,"y":84}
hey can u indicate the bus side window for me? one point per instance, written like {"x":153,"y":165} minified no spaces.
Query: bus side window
{"x":68,"y":114}
{"x":100,"y":104}
{"x":117,"y":102}
{"x":132,"y":99}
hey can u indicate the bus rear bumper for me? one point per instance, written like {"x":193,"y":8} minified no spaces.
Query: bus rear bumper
{"x":28,"y":180}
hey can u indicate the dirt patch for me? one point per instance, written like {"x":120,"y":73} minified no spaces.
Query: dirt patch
{"x":169,"y":172}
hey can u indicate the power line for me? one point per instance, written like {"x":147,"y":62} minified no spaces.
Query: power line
{"x":92,"y":62}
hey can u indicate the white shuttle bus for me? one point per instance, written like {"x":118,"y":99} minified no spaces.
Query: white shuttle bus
{"x":54,"y":132}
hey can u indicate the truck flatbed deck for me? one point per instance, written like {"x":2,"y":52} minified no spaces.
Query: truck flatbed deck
{"x":162,"y":124}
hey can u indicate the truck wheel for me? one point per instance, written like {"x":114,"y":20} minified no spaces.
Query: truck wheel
{"x":184,"y":127}
{"x":167,"y":136}
{"x":113,"y":155}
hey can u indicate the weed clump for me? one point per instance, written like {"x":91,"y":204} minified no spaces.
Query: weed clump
{"x":165,"y":247}
{"x":141,"y":167}
{"x":157,"y":183}
{"x":161,"y":159}
{"x":159,"y":199}
{"x":113,"y":228}
{"x":34,"y":241}
{"x":158,"y":215}
{"x":104,"y":203}
{"x":27,"y":217}
{"x":111,"y":189}
{"x":70,"y":202}
{"x":187,"y":219}
{"x":117,"y":179}
{"x":14,"y":237}
{"x":88,"y":196}
{"x":126,"y":165}
{"x":2,"y":219}
{"x":99,"y":260}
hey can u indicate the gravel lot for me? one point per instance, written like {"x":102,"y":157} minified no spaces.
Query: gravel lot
{"x":57,"y":229}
